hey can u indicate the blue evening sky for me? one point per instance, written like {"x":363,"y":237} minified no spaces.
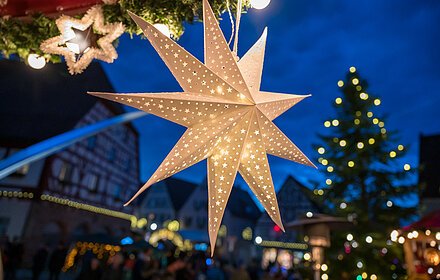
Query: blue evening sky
{"x":394,"y":44}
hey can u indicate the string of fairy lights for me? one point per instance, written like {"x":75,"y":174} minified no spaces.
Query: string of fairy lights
{"x":36,"y":61}
{"x":361,"y":144}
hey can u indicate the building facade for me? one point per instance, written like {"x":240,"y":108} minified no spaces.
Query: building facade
{"x":79,"y":190}
{"x":294,"y":201}
{"x":178,"y":200}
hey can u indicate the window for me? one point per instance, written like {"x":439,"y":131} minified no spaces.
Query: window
{"x":117,"y":193}
{"x":92,"y":182}
{"x":4,"y":223}
{"x":21,"y":172}
{"x":188,"y":221}
{"x":65,"y":172}
{"x":91,"y":143}
{"x":127,"y":165}
{"x":111,"y":154}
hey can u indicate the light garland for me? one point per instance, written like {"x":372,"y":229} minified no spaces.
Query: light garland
{"x":282,"y":245}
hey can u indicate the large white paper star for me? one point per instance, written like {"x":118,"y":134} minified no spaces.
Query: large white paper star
{"x":228,"y":118}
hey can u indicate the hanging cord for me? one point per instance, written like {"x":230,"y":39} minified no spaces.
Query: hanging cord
{"x":237,"y":26}
{"x":232,"y":22}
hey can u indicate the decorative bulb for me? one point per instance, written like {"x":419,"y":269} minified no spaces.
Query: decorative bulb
{"x":35,"y":61}
{"x":163,"y":28}
{"x":342,"y":143}
{"x":259,"y":4}
{"x":258,"y":239}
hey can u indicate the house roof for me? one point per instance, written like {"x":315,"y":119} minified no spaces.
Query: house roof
{"x":179,"y":191}
{"x":306,"y":191}
{"x":39,"y":104}
{"x":430,"y":221}
{"x":429,"y":175}
{"x":240,"y":203}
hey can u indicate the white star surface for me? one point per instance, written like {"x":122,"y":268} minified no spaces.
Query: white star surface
{"x":228,"y":118}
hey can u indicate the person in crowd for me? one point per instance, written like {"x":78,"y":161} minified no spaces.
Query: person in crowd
{"x":91,"y":270}
{"x":215,"y":272}
{"x":144,"y":266}
{"x":14,"y":254}
{"x":114,"y":268}
{"x":56,"y":261}
{"x":39,"y":262}
{"x":240,"y":273}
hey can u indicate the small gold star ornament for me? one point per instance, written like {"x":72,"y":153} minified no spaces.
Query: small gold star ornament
{"x":228,"y":118}
{"x":83,"y":40}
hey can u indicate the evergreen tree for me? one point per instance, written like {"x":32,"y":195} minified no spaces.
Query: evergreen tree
{"x":366,"y":183}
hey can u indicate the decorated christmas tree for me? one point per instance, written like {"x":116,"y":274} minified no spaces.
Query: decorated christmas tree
{"x":368,"y":183}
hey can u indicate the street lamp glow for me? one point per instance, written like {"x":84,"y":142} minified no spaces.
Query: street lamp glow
{"x":307,"y":256}
{"x":349,"y":237}
{"x":309,"y":214}
{"x":36,"y":61}
{"x":259,"y":4}
{"x":153,"y":226}
{"x":369,"y":239}
{"x":258,"y":239}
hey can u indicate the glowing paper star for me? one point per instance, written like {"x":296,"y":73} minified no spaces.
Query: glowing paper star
{"x":79,"y":42}
{"x":228,"y":119}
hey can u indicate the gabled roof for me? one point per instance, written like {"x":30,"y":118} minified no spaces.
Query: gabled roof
{"x":39,"y":104}
{"x":242,"y":205}
{"x":306,"y":191}
{"x":179,"y":191}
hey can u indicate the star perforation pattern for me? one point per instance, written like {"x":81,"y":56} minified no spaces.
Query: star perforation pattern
{"x":182,"y":108}
{"x":222,"y":170}
{"x":192,"y":75}
{"x":254,"y":168}
{"x":277,"y":143}
{"x":218,"y":56}
{"x":232,"y":131}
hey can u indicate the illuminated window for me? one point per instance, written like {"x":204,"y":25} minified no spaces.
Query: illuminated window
{"x":65,"y":174}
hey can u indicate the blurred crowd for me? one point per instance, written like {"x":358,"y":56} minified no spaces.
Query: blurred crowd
{"x":146,"y":264}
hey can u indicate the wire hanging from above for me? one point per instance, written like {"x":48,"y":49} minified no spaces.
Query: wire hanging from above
{"x":237,"y":27}
{"x":232,"y":22}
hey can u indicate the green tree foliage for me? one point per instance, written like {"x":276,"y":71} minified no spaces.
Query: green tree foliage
{"x":367,"y":181}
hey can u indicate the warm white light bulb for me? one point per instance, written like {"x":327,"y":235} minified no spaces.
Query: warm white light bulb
{"x":153,"y":226}
{"x":258,"y":239}
{"x":163,"y":28}
{"x":35,"y":61}
{"x":259,"y":4}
